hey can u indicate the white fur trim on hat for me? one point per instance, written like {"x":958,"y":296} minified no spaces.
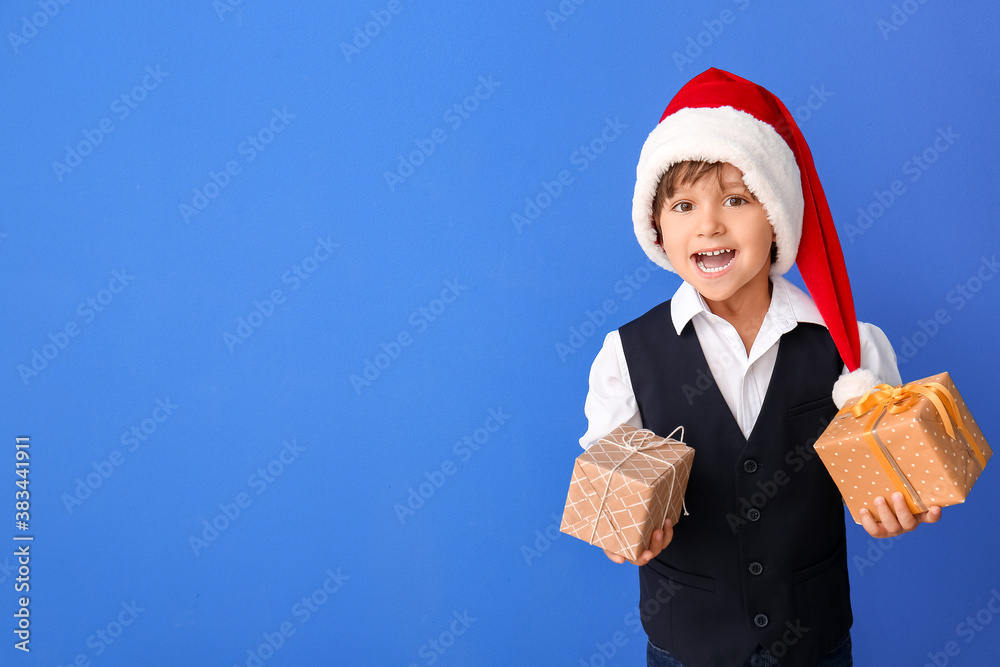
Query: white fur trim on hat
{"x":723,"y":134}
{"x":853,"y":385}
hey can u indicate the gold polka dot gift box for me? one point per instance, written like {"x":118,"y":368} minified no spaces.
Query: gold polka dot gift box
{"x":625,"y":486}
{"x":917,"y":438}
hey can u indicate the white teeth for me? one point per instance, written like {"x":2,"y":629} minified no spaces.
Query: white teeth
{"x":701,"y":265}
{"x":716,"y":252}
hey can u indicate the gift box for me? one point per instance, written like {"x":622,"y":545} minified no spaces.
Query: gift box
{"x":625,"y":486}
{"x":917,"y":438}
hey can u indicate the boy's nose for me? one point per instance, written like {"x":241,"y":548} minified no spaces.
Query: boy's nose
{"x":710,"y":222}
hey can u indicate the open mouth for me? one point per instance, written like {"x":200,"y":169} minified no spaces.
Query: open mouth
{"x":714,"y":261}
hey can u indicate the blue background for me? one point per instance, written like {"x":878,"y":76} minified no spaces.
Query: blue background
{"x":476,"y":548}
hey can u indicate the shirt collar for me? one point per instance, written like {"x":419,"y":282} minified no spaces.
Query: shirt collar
{"x":789,"y":306}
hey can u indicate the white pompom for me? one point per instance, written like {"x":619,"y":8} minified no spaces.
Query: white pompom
{"x":852,"y":385}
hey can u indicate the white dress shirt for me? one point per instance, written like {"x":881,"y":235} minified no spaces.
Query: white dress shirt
{"x":741,"y":378}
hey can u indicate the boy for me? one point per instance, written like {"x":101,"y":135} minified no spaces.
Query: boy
{"x":727,"y":197}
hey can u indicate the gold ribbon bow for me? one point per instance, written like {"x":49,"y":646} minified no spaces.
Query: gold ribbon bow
{"x":884,"y":398}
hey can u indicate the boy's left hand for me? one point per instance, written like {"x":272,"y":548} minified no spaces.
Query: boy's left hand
{"x":896,"y":518}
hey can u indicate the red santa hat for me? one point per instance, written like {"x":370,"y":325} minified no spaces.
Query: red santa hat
{"x":719,"y":117}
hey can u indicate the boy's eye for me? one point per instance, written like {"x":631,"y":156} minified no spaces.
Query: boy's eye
{"x":683,"y":207}
{"x":735,"y":201}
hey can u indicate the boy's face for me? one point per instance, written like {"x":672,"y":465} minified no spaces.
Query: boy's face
{"x":718,"y":239}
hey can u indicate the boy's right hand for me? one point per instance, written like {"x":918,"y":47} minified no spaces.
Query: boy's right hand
{"x":661,"y":538}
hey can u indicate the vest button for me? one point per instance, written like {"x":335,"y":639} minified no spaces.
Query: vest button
{"x":753,"y":513}
{"x":760,"y":620}
{"x":756,"y":568}
{"x":750,"y":465}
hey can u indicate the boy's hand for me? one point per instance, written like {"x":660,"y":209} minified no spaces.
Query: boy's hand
{"x":896,"y":518}
{"x":661,"y":538}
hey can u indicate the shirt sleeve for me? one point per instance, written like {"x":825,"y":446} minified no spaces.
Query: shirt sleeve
{"x":877,"y":354}
{"x":610,"y":401}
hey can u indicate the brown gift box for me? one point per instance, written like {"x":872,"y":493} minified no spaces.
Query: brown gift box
{"x":625,"y":486}
{"x":918,"y":438}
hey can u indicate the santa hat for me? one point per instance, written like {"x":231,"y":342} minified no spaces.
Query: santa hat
{"x":719,"y":117}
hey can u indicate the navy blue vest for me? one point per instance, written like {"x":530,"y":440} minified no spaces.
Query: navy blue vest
{"x":761,"y":559}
